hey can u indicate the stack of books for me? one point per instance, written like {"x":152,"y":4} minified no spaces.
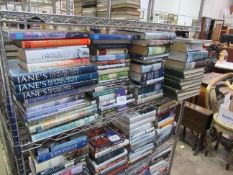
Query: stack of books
{"x":78,"y":7}
{"x":184,"y":69}
{"x":107,"y":152}
{"x":49,"y":79}
{"x":11,"y":50}
{"x":165,"y":121}
{"x":139,"y":127}
{"x":146,"y":69}
{"x":61,"y":157}
{"x":125,"y":9}
{"x":101,"y":7}
{"x":89,"y":8}
{"x":160,"y":163}
{"x":109,"y":53}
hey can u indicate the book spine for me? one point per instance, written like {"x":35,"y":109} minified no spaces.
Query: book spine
{"x":37,"y":35}
{"x":110,"y":37}
{"x":67,"y":148}
{"x":52,"y":109}
{"x":55,"y":43}
{"x":112,"y":66}
{"x":197,"y":64}
{"x":111,"y":62}
{"x":51,"y":90}
{"x":158,"y":50}
{"x":40,"y":76}
{"x":54,"y":82}
{"x":62,"y":118}
{"x":55,"y":54}
{"x":36,"y":67}
{"x":63,"y":128}
{"x":110,"y":51}
{"x":195,"y":56}
{"x":109,"y":57}
{"x":112,"y":76}
{"x":37,"y":100}
{"x":111,"y":46}
{"x":111,"y":71}
{"x":160,"y":36}
{"x":152,"y":75}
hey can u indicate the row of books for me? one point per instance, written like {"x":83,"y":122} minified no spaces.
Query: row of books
{"x":115,"y":148}
{"x":63,"y":81}
{"x":127,"y":9}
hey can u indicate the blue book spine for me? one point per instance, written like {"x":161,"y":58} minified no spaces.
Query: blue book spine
{"x":152,"y":75}
{"x":36,"y":100}
{"x":51,"y":90}
{"x":109,"y":57}
{"x":45,"y":35}
{"x":63,"y":128}
{"x":110,"y":37}
{"x":40,"y":76}
{"x":61,"y":151}
{"x":54,"y":82}
{"x":40,"y":114}
{"x":196,"y":56}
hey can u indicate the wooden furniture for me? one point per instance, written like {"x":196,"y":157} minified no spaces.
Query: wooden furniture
{"x":220,"y":131}
{"x":198,"y":119}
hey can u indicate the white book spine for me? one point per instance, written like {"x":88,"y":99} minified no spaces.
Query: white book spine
{"x":55,"y":54}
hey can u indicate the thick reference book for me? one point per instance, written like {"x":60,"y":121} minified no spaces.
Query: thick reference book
{"x":188,"y":73}
{"x":184,"y":65}
{"x":182,"y":85}
{"x":149,"y":51}
{"x":47,"y":66}
{"x":53,"y":54}
{"x":51,"y":90}
{"x":40,"y":35}
{"x":52,"y":43}
{"x":54,"y":82}
{"x":146,"y":76}
{"x":188,"y":56}
{"x":20,"y":76}
{"x":186,"y":47}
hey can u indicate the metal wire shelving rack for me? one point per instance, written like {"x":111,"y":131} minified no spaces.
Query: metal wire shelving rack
{"x":18,"y":147}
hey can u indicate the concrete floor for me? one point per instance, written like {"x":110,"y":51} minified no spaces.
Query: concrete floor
{"x":187,"y":164}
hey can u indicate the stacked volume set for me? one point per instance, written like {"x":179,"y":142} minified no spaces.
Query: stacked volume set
{"x":64,"y":81}
{"x":185,"y":68}
{"x":110,"y":53}
{"x":147,"y":56}
{"x":48,"y":81}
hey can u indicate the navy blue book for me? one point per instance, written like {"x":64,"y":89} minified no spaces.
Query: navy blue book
{"x":100,"y":36}
{"x":52,"y":90}
{"x":109,"y":46}
{"x":54,"y":82}
{"x":63,"y":148}
{"x":20,"y":76}
{"x":146,"y":76}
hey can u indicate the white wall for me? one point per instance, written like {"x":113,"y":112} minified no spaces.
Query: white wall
{"x":215,"y":8}
{"x":190,"y":8}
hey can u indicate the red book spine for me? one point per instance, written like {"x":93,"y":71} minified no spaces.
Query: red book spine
{"x":55,"y":43}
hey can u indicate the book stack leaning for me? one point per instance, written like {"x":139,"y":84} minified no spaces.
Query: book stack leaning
{"x":48,"y":82}
{"x":147,"y":55}
{"x":107,"y":153}
{"x":184,"y":69}
{"x":109,"y":53}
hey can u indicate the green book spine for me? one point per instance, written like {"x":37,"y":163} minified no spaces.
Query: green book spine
{"x":112,"y":76}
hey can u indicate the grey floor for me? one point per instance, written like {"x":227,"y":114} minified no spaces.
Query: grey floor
{"x":184,"y":163}
{"x":187,"y":164}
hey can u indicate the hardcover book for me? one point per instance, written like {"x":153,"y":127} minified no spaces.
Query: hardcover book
{"x":139,"y":68}
{"x":158,"y":35}
{"x":53,"y":54}
{"x":186,"y":47}
{"x":110,"y":37}
{"x":109,"y":57}
{"x":152,"y":42}
{"x":188,"y":56}
{"x":185,"y":65}
{"x":39,"y":35}
{"x":109,"y":51}
{"x":52,"y":43}
{"x":47,"y":66}
{"x":149,"y":51}
{"x":109,"y":46}
{"x":140,"y":77}
{"x":20,"y":76}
